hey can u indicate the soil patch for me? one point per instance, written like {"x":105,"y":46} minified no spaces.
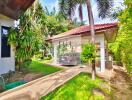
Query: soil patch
{"x":121,"y":84}
{"x":24,"y":76}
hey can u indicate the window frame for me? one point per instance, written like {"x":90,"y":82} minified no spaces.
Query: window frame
{"x":5,"y":55}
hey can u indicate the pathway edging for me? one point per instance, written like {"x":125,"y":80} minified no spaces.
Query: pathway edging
{"x":42,"y":86}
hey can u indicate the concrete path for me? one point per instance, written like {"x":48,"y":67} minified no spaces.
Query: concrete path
{"x":40,"y":87}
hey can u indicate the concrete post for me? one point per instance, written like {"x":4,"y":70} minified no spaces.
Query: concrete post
{"x":55,"y":54}
{"x":102,"y":56}
{"x":0,"y":42}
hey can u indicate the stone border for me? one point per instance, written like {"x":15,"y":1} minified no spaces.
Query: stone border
{"x":29,"y":83}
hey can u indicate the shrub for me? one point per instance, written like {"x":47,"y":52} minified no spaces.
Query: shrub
{"x":88,"y":53}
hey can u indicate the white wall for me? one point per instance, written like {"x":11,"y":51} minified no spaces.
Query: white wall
{"x":98,"y":39}
{"x":78,"y":41}
{"x":6,"y":64}
{"x":75,"y":41}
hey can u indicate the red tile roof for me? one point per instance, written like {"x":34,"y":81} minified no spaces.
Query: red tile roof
{"x":84,"y":29}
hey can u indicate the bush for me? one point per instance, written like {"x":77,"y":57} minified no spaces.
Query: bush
{"x":38,"y":56}
{"x":49,"y":57}
{"x":122,"y":47}
{"x":88,"y":53}
{"x":27,"y":63}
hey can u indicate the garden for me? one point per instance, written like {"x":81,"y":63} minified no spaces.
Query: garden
{"x":33,"y":51}
{"x":30,"y":71}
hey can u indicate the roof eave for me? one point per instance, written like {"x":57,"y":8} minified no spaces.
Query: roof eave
{"x":7,"y":10}
{"x":103,"y":30}
{"x":110,"y":35}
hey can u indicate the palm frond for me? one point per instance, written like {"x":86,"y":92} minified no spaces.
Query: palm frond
{"x":68,"y":7}
{"x":104,"y":7}
{"x":72,"y":6}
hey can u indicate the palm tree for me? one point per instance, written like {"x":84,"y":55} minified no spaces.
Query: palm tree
{"x":68,"y":8}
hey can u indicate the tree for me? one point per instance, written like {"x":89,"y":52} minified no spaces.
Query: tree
{"x":122,"y":47}
{"x":56,"y":23}
{"x":28,"y":36}
{"x":54,"y":26}
{"x":68,"y":8}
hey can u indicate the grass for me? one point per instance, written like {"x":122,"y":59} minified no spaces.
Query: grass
{"x":34,"y":69}
{"x":39,"y":67}
{"x":79,"y":88}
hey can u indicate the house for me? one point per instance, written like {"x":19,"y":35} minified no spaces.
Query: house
{"x":72,"y":40}
{"x":10,"y":11}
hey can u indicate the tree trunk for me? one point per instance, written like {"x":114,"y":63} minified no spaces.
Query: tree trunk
{"x":92,"y":30}
{"x":19,"y":66}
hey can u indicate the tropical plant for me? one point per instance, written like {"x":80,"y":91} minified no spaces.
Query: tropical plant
{"x":54,"y":26}
{"x":122,"y":47}
{"x":48,"y":13}
{"x":68,"y":8}
{"x":27,"y":37}
{"x":88,"y":53}
{"x":57,"y":23}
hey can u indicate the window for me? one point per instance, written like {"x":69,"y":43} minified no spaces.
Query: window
{"x":5,"y":48}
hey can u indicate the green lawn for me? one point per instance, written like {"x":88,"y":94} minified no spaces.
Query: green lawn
{"x":39,"y":67}
{"x":78,"y":88}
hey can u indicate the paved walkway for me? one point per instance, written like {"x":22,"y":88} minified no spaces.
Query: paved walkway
{"x":40,"y":87}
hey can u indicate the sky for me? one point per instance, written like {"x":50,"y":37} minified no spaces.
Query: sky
{"x":50,"y":4}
